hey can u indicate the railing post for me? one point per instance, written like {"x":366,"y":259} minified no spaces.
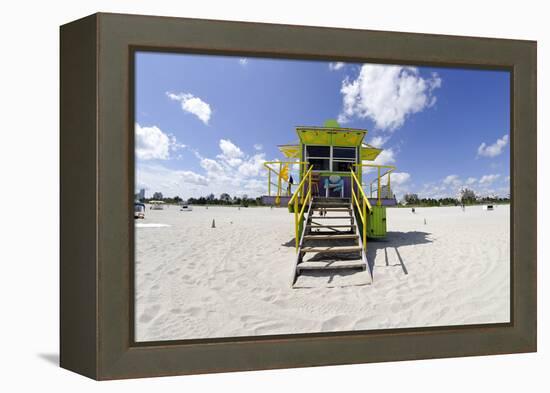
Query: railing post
{"x":296,"y":225}
{"x":364,"y":223}
{"x":389,"y":185}
{"x":268,"y":181}
{"x":279,"y":181}
{"x":309,"y":185}
{"x":379,"y":195}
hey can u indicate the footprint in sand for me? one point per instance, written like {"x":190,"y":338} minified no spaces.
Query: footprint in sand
{"x":186,"y":278}
{"x":149,"y":313}
{"x":374,"y":322}
{"x":269,"y":298}
{"x":282,"y":303}
{"x":242,"y":283}
{"x":251,"y":321}
{"x":194,"y":311}
{"x":396,"y":307}
{"x":269,"y":328}
{"x":174,"y":271}
{"x":339,"y":322}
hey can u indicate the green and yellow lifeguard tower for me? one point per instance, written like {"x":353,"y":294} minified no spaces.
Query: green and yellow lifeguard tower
{"x":339,"y":198}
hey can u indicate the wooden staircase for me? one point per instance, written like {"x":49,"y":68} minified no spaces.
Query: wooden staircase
{"x":330,"y":240}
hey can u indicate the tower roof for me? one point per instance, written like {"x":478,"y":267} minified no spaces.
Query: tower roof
{"x":331,"y":134}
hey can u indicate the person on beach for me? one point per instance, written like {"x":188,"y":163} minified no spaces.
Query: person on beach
{"x":290,"y":183}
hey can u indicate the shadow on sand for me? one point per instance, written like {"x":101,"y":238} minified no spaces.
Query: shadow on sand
{"x":395,"y":240}
{"x":290,"y":243}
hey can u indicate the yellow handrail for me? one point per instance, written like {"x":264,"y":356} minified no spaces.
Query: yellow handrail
{"x":378,"y":180}
{"x":299,"y":213}
{"x":361,"y":207}
{"x":279,"y":185}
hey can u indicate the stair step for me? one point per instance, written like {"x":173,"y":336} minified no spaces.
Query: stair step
{"x":331,"y":204}
{"x":331,"y":226}
{"x":331,"y":217}
{"x":332,"y":209}
{"x":331,"y":249}
{"x":333,"y":265}
{"x":330,"y":237}
{"x":330,"y":199}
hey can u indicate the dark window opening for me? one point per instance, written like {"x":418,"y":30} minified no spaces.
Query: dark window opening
{"x":318,"y":151}
{"x":342,"y":166}
{"x":343,"y":152}
{"x":320,"y":164}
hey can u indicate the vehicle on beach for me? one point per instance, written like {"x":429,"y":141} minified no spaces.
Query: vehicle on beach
{"x":139,"y":210}
{"x":156,"y":205}
{"x":186,"y":208}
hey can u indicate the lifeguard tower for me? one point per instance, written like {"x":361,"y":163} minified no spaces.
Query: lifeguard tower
{"x":333,"y":215}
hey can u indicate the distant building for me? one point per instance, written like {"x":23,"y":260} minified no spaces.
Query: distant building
{"x":157,"y":196}
{"x":141,"y":195}
{"x":385,"y":192}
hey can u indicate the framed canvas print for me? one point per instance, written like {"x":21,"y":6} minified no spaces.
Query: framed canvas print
{"x":241,"y":196}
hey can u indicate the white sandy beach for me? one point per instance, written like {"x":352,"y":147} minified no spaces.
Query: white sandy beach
{"x":194,"y":281}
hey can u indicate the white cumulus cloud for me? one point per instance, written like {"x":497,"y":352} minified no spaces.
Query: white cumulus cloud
{"x":493,"y":150}
{"x":386,"y":157}
{"x":211,"y":166}
{"x":154,"y":144}
{"x":243,"y":61}
{"x":387,"y":94}
{"x":452,"y":180}
{"x":151,"y":143}
{"x":158,"y":178}
{"x":488,"y":179}
{"x":253,"y":166}
{"x":399,"y":178}
{"x":378,"y":141}
{"x":231,"y":153}
{"x":192,"y":104}
{"x":233,"y":171}
{"x":336,"y":66}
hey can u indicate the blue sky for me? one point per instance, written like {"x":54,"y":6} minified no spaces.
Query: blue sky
{"x":207,"y":123}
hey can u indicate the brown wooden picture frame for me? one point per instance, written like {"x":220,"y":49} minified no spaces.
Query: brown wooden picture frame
{"x":96,"y":267}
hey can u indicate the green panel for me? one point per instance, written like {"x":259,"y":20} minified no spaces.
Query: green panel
{"x":376,"y":222}
{"x":312,"y":137}
{"x":343,"y":138}
{"x":331,"y":123}
{"x":369,"y":153}
{"x":334,"y":137}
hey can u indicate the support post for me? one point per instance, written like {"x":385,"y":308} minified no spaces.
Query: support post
{"x":269,"y":181}
{"x":296,"y":225}
{"x":364,"y":223}
{"x":309,"y":185}
{"x":279,"y":182}
{"x":379,"y":203}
